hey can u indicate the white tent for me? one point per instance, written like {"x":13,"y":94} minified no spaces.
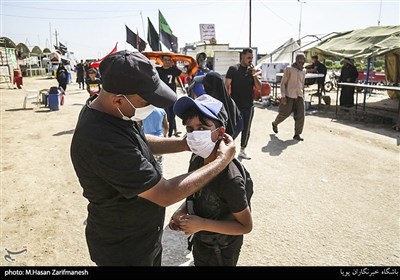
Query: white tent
{"x":284,"y":53}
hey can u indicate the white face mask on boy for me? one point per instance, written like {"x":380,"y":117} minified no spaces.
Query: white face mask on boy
{"x":140,"y":113}
{"x":200,"y":142}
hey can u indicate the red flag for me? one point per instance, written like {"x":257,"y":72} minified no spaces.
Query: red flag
{"x":96,"y":64}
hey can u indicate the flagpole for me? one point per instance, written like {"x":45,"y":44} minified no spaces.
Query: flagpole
{"x":141,"y":15}
{"x":159,"y":31}
{"x":249,"y":23}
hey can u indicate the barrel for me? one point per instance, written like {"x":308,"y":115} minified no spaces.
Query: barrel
{"x":54,"y":102}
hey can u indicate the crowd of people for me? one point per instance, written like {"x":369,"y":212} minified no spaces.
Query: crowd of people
{"x":127,"y":125}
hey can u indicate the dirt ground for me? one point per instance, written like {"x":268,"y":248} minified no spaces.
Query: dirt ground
{"x":332,"y":200}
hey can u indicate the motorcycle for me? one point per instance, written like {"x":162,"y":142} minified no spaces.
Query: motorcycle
{"x":332,"y":83}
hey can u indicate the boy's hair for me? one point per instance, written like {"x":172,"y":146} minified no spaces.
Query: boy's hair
{"x":193,"y":112}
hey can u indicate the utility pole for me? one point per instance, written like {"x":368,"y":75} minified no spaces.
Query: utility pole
{"x":56,"y":34}
{"x":249,"y":23}
{"x":380,"y":10}
{"x":51,"y":41}
{"x":301,"y":10}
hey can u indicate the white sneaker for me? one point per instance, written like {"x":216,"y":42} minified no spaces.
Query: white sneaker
{"x":243,"y":155}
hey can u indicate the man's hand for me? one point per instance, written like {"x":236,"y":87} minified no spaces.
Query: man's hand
{"x":283,"y":100}
{"x":226,"y":148}
{"x":175,"y":220}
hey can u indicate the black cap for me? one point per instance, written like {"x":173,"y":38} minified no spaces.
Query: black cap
{"x":127,"y":73}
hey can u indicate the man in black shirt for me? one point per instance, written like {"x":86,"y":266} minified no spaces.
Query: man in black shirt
{"x":319,"y":68}
{"x":115,"y":165}
{"x":240,"y":80}
{"x":168,"y":74}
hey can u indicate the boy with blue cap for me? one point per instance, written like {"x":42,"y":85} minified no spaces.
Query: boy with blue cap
{"x":219,"y":214}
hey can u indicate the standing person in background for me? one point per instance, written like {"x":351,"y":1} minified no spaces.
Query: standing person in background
{"x":168,"y":74}
{"x":318,"y":68}
{"x":80,"y":74}
{"x":292,"y":97}
{"x":201,"y":59}
{"x":93,"y":84}
{"x":156,"y":124}
{"x":62,"y":77}
{"x":240,"y":80}
{"x":86,"y":67}
{"x":348,"y":74}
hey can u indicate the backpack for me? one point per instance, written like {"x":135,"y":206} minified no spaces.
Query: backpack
{"x":249,"y":186}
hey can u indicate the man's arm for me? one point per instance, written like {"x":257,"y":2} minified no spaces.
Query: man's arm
{"x":242,"y":224}
{"x":181,"y":84}
{"x":228,"y":83}
{"x":160,"y":145}
{"x":167,"y":192}
{"x":257,"y":81}
{"x":284,"y":82}
{"x":165,"y":126}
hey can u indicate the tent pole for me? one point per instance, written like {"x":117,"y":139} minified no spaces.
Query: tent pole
{"x":366,"y":82}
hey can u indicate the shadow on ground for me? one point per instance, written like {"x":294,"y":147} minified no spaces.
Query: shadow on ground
{"x":276,"y":146}
{"x":374,"y":119}
{"x":71,"y":131}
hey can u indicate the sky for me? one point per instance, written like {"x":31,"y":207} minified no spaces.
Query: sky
{"x":92,"y":28}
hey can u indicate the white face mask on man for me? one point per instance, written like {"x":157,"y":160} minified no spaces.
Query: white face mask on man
{"x":140,"y":113}
{"x":200,"y":142}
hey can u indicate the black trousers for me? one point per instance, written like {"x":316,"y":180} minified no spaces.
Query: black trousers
{"x":171,"y":119}
{"x":208,"y":255}
{"x":347,"y":96}
{"x":247,"y":117}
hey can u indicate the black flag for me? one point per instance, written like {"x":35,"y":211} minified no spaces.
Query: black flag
{"x":62,"y":48}
{"x":152,"y":37}
{"x":133,"y":39}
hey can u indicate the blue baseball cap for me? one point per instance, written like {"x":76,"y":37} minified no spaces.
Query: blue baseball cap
{"x":206,"y":104}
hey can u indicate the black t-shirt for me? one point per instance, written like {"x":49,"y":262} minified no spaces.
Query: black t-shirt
{"x":169,"y":75}
{"x":114,"y":164}
{"x":223,"y":196}
{"x":321,"y":68}
{"x":242,"y":85}
{"x":93,"y":86}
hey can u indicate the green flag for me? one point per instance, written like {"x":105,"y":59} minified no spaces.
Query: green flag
{"x":166,"y":36}
{"x":163,"y":24}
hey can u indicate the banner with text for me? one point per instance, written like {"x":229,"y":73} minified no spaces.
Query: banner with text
{"x":207,"y":31}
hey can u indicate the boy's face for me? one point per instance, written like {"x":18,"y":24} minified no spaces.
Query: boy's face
{"x":167,"y":62}
{"x":194,"y":124}
{"x":92,"y":76}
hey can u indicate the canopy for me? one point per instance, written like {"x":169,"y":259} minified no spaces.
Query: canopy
{"x":367,"y":43}
{"x":6,"y":42}
{"x":37,"y":51}
{"x":23,"y":49}
{"x":284,"y":53}
{"x":362,"y":43}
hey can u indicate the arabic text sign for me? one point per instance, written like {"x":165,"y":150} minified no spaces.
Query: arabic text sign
{"x":207,"y":31}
